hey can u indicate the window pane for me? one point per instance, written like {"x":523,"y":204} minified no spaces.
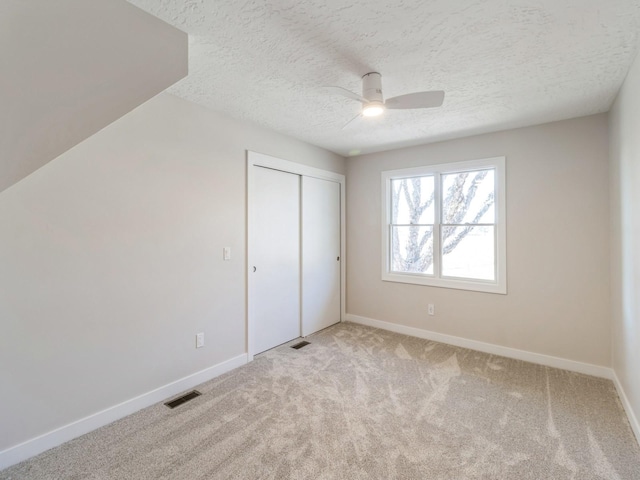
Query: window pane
{"x":468,"y":252}
{"x":412,"y":201}
{"x":468,"y":197}
{"x":412,"y":249}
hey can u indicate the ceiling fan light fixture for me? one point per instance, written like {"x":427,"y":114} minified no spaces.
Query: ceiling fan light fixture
{"x":373,"y":109}
{"x":373,"y":102}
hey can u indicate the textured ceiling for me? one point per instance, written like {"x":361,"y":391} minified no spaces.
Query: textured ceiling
{"x":502,"y":63}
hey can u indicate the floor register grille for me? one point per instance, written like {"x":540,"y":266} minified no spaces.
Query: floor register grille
{"x":183,"y":399}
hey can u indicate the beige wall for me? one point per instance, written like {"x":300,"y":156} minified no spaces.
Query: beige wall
{"x":625,"y":239}
{"x":71,"y":67}
{"x":557,"y":244}
{"x":111,"y":262}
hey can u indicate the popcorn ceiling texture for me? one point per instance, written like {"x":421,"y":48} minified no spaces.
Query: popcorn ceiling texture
{"x":502,"y":63}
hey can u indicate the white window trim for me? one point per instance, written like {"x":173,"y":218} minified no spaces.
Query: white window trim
{"x":500,"y":285}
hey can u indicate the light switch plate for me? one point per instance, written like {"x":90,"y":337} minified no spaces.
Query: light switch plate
{"x":199,"y":340}
{"x":226,"y":253}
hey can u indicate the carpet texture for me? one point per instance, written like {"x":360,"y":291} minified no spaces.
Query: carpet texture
{"x":363,"y":403}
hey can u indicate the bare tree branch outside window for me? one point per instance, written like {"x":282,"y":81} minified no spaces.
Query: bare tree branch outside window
{"x":412,"y":201}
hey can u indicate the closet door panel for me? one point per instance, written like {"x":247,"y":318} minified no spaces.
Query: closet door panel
{"x":320,"y":254}
{"x":276,"y":258}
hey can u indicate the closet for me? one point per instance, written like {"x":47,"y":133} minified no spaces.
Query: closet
{"x":294,"y":250}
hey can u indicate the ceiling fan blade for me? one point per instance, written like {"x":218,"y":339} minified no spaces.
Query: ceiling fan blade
{"x":416,"y":100}
{"x":345,"y":93}
{"x":350,"y":121}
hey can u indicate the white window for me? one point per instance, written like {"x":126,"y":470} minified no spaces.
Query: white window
{"x":444,"y":225}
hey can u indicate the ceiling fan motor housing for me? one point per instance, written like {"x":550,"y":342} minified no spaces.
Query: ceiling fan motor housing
{"x":372,"y":87}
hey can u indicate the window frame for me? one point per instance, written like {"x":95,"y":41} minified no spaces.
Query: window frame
{"x":437,"y":280}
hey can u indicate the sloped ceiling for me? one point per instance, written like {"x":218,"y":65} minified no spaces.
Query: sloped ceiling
{"x":69,"y":68}
{"x":502,"y":63}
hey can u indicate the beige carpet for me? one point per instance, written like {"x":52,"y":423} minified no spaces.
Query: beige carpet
{"x":362,"y":403}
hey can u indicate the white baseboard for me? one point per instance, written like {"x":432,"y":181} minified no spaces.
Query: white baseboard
{"x":37,"y":445}
{"x":547,"y":360}
{"x":633,"y":420}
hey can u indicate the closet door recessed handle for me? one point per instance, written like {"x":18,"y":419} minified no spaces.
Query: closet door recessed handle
{"x":254,"y":269}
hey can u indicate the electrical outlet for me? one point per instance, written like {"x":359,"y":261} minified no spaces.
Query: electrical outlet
{"x":199,"y":340}
{"x":431,"y":310}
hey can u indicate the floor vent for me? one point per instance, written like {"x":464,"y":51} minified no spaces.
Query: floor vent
{"x":298,"y":346}
{"x":183,"y":399}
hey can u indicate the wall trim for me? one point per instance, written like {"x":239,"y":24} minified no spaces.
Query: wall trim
{"x":539,"y":358}
{"x":34,"y":446}
{"x":633,"y":420}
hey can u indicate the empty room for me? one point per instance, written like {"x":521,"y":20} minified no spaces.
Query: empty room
{"x":389,"y":239}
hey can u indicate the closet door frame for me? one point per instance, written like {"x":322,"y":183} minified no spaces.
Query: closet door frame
{"x":255,"y":159}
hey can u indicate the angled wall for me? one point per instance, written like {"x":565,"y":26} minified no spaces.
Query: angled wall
{"x":111,"y":261}
{"x":71,"y":67}
{"x":624,"y":121}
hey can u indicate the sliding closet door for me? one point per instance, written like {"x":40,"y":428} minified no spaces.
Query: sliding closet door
{"x":320,"y":254}
{"x":275,"y":257}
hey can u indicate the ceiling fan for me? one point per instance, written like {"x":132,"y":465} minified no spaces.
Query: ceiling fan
{"x":373,"y":103}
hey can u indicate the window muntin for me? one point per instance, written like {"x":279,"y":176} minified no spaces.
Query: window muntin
{"x":444,"y":225}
